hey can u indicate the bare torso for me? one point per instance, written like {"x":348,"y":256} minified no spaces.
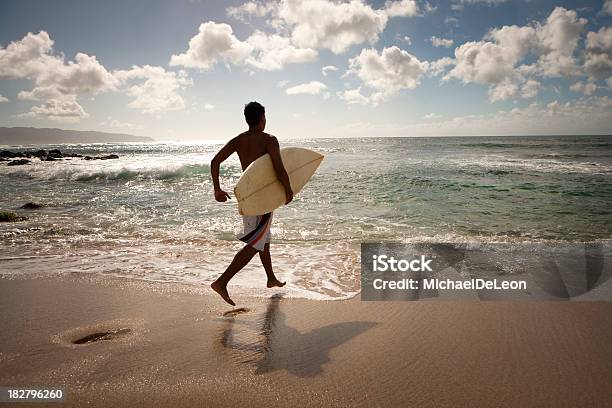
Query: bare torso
{"x":250,"y":146}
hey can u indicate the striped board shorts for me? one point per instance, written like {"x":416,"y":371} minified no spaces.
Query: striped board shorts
{"x":256,"y":230}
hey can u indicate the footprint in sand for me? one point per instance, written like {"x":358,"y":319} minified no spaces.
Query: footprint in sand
{"x":236,"y":312}
{"x":106,"y":335}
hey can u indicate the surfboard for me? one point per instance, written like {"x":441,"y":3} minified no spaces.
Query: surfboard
{"x":259,"y":191}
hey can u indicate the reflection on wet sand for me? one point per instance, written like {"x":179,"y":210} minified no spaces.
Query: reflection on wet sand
{"x":270,"y":344}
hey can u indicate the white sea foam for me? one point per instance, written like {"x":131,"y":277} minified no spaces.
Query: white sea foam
{"x":151,"y":214}
{"x":496,"y":161}
{"x":125,"y":168}
{"x":320,"y":272}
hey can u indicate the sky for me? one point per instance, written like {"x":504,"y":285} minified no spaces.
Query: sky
{"x":183,"y":70}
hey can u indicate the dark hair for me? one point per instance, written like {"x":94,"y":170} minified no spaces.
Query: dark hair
{"x":253,"y":111}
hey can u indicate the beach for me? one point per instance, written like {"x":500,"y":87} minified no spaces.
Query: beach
{"x":185,"y":347}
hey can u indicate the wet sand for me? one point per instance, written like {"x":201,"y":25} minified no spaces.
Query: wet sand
{"x":180,"y":346}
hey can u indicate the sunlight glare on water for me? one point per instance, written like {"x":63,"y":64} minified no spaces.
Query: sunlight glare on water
{"x":151,"y":213}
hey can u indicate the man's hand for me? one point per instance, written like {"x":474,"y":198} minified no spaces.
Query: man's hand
{"x":223,"y":154}
{"x":289,"y":196}
{"x":221,"y":196}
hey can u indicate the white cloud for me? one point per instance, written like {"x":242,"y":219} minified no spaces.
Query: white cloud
{"x":495,"y":60}
{"x":283,"y":83}
{"x":31,"y":58}
{"x":486,"y":2}
{"x":509,"y":90}
{"x":557,"y":41}
{"x":515,"y":41}
{"x":310,"y":88}
{"x":502,"y":91}
{"x":587,"y":88}
{"x":83,"y":76}
{"x":335,"y":26}
{"x":214,"y":42}
{"x":441,"y":42}
{"x":482,"y":62}
{"x":388,"y":72}
{"x":250,"y":8}
{"x":407,"y":40}
{"x":401,"y":8}
{"x":354,"y":96}
{"x":39,"y":94}
{"x":156,"y":89}
{"x":57,"y":82}
{"x":209,"y":106}
{"x":3,"y":99}
{"x":432,"y":115}
{"x":273,"y":52}
{"x":492,"y":62}
{"x":428,"y":8}
{"x":27,"y":57}
{"x":601,"y":40}
{"x":530,"y":89}
{"x":585,"y":116}
{"x":609,"y":82}
{"x":116,"y":124}
{"x":328,"y":68}
{"x":65,"y":110}
{"x":598,"y":56}
{"x":451,"y":21}
{"x":439,"y":66}
{"x":607,"y":8}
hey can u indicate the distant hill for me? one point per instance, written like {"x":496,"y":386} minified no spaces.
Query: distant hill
{"x":29,"y":135}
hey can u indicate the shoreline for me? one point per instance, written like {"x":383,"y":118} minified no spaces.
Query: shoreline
{"x":185,"y":348}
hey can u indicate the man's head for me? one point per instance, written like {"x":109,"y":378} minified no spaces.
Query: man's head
{"x":255,"y":115}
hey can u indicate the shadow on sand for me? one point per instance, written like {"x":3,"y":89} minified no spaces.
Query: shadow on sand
{"x":271,"y":345}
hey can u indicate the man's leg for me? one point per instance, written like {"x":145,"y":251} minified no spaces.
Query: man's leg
{"x":266,"y":261}
{"x":241,"y":259}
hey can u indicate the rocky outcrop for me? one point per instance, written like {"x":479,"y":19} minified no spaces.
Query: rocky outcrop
{"x":18,"y":162}
{"x":31,"y":206}
{"x":44,"y":155}
{"x":7,"y":154}
{"x":107,"y":157}
{"x":9,"y":216}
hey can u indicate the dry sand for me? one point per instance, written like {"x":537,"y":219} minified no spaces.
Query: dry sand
{"x":182,"y":351}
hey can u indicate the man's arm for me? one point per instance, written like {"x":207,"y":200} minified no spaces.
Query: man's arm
{"x":274,"y":152}
{"x":219,"y":158}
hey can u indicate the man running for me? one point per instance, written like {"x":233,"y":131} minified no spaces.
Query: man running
{"x":250,"y":146}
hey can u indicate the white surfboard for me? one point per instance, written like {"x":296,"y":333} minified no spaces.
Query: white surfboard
{"x":259,"y":191}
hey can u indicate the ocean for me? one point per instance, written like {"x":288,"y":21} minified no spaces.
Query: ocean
{"x":151,"y":214}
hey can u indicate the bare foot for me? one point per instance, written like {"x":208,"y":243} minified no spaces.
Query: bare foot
{"x":222,"y":291}
{"x":275,"y":282}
